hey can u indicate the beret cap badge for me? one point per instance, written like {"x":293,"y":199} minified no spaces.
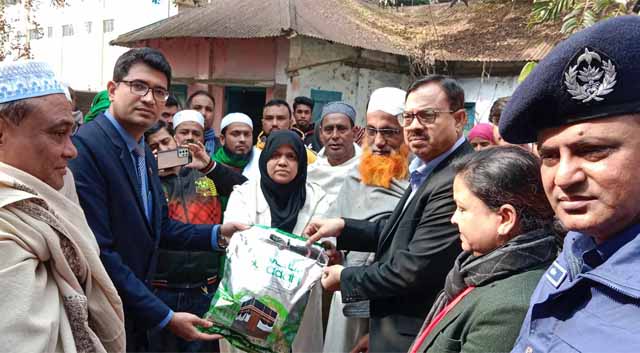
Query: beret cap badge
{"x":591,"y":77}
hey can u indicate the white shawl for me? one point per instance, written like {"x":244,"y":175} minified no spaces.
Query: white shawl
{"x":56,"y":294}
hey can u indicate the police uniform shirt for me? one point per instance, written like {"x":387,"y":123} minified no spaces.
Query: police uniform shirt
{"x":588,"y":299}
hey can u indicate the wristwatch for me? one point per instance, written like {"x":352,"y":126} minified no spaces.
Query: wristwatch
{"x":223,"y":242}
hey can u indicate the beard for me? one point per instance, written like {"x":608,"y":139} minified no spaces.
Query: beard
{"x":237,"y":156}
{"x":377,"y":170}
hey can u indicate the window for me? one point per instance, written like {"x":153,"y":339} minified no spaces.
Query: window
{"x":67,"y":30}
{"x":87,"y":27}
{"x":320,"y":98}
{"x":35,"y":34}
{"x":50,"y":32}
{"x":470,"y":107}
{"x":107,"y":26}
{"x":12,"y":2}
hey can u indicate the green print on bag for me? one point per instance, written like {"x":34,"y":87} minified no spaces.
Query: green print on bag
{"x":267,"y":278}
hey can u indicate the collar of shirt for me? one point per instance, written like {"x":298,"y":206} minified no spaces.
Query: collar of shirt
{"x":592,"y":254}
{"x":131,"y":143}
{"x":420,"y":169}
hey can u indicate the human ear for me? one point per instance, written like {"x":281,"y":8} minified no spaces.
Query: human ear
{"x":3,"y":128}
{"x":508,"y":221}
{"x":111,"y":89}
{"x":461,"y":119}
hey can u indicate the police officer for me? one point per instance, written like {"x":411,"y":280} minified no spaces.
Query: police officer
{"x":582,"y":106}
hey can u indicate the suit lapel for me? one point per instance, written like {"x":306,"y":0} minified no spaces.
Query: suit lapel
{"x":465,"y":147}
{"x":395,"y":218}
{"x":125,"y":160}
{"x":155,"y":190}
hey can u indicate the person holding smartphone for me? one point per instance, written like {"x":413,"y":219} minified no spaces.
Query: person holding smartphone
{"x":186,"y":280}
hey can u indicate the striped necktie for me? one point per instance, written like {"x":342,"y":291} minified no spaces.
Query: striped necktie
{"x":141,"y":172}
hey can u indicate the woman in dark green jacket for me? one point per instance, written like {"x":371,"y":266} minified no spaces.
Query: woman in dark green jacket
{"x":505,"y":227}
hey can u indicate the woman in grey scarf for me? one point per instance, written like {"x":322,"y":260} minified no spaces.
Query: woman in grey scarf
{"x":505,"y":225}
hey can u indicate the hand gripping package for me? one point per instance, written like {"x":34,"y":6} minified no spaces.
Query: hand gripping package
{"x":267,"y":279}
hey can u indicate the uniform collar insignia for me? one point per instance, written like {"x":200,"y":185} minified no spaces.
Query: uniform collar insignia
{"x":556,"y":274}
{"x":590,"y":76}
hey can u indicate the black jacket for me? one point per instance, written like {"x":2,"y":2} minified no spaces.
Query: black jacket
{"x":191,"y":200}
{"x":415,"y":249}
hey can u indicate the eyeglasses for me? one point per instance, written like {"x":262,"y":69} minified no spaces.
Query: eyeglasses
{"x":424,"y":116}
{"x":385,"y":132}
{"x":141,"y":89}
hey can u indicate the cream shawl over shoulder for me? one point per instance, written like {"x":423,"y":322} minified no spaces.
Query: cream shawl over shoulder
{"x":56,"y":295}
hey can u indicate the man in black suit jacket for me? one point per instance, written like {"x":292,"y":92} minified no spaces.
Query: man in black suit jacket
{"x":121,"y":195}
{"x":415,"y":248}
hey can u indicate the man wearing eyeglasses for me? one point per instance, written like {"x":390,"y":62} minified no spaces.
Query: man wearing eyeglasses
{"x":339,"y":154}
{"x":370,"y":191}
{"x":416,"y":246}
{"x":122,"y":197}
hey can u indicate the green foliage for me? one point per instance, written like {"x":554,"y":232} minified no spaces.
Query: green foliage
{"x":526,"y":70}
{"x":577,"y":14}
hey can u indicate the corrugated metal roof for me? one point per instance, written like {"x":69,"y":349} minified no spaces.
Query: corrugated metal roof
{"x":326,"y":19}
{"x":483,"y":31}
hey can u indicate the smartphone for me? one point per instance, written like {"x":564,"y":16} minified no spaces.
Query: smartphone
{"x":173,"y":158}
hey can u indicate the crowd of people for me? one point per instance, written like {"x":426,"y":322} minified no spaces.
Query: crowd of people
{"x":520,"y":236}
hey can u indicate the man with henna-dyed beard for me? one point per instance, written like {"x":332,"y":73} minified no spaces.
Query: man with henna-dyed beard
{"x":369,"y":192}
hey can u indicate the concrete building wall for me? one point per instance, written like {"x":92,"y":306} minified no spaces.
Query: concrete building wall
{"x":483,"y":92}
{"x":189,"y":58}
{"x":306,"y":52}
{"x":316,"y":64}
{"x":221,"y":61}
{"x":212,"y":64}
{"x":245,"y":59}
{"x":355,"y":84}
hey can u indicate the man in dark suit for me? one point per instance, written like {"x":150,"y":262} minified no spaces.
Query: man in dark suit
{"x":121,"y":195}
{"x":416,"y":246}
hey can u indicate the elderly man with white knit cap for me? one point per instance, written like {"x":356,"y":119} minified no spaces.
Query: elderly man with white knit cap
{"x":370,"y":191}
{"x":56,"y":295}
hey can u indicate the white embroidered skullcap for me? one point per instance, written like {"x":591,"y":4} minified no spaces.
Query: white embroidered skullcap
{"x":235,"y":118}
{"x":387,"y":99}
{"x":188,"y":115}
{"x":67,"y":93}
{"x":27,"y":79}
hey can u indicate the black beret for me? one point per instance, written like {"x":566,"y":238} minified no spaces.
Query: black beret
{"x":595,"y":73}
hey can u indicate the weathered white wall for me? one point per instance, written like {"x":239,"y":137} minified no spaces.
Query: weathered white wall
{"x":356,"y":84}
{"x":485,"y":91}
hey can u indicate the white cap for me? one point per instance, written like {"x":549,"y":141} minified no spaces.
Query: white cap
{"x":27,"y":79}
{"x":67,"y":93}
{"x":235,"y":118}
{"x":387,"y":99}
{"x":188,"y":115}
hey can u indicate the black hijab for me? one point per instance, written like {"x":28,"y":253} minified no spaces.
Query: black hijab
{"x":285,"y":200}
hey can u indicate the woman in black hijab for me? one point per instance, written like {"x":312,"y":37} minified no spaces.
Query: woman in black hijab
{"x":283,"y":198}
{"x":283,"y":178}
